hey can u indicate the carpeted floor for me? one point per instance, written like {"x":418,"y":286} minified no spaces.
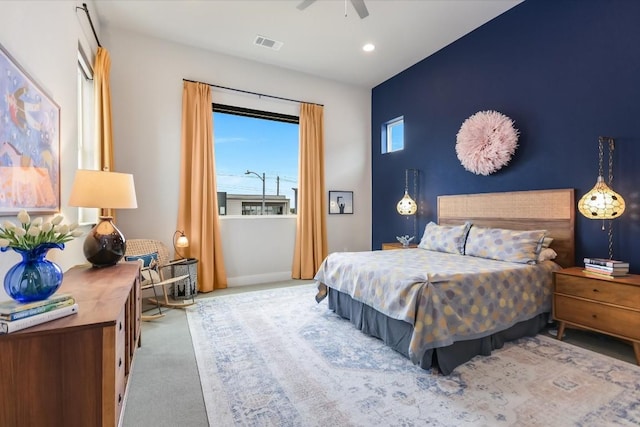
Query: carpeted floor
{"x":276,"y":358}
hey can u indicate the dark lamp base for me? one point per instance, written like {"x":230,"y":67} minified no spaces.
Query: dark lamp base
{"x":104,"y":245}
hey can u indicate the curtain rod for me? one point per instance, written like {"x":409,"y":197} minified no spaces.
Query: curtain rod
{"x":86,"y":10}
{"x":253,"y":93}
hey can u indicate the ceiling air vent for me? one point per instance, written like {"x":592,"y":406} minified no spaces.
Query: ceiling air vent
{"x":268,"y":43}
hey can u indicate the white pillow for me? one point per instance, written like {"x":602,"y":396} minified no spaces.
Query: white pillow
{"x":444,"y":238}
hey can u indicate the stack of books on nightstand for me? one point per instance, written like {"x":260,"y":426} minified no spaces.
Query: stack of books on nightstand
{"x":15,"y":316}
{"x":606,"y":267}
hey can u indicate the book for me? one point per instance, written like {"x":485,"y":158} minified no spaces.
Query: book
{"x":606,"y":262}
{"x":607,"y":269}
{"x":37,"y":310}
{"x":599,"y":274}
{"x":594,"y":269}
{"x":6,"y":327}
{"x":11,"y":306}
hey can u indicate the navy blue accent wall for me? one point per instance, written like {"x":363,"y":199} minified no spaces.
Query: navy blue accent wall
{"x":566,"y":71}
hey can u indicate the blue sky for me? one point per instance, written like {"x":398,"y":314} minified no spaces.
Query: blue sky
{"x":258,"y":145}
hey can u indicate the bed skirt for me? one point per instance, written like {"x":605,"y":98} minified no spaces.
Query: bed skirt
{"x":397,"y":333}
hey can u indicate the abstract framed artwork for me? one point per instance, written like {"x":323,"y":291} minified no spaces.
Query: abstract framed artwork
{"x":340,"y":202}
{"x":29,"y":143}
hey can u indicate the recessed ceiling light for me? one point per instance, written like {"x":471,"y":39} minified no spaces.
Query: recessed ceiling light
{"x":369,"y":47}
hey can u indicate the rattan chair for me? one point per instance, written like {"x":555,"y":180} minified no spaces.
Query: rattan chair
{"x":155,"y":274}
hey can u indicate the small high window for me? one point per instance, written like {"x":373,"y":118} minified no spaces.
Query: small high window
{"x":393,"y":135}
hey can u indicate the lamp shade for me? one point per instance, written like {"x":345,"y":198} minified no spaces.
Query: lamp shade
{"x":182,"y":242}
{"x":406,"y":205}
{"x":102,"y":189}
{"x":601,"y":202}
{"x":104,"y":245}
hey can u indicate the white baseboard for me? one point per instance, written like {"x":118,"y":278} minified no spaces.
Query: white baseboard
{"x":258,"y":279}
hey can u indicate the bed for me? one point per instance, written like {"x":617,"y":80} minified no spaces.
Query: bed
{"x":440,"y":307}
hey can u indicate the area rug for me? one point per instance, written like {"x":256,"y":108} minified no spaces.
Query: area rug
{"x":276,"y":358}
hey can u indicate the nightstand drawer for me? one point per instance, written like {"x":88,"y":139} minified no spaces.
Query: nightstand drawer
{"x":602,"y":290}
{"x":396,"y":245}
{"x":605,"y":318}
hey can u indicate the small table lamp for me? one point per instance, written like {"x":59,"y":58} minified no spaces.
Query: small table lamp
{"x":181,"y":242}
{"x":104,"y":245}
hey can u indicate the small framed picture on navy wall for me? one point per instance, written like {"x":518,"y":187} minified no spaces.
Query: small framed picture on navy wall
{"x":340,"y":202}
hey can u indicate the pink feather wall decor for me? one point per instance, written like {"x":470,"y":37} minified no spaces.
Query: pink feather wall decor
{"x":486,"y":141}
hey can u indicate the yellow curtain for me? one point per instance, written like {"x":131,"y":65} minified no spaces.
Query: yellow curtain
{"x":103,"y":127}
{"x":311,"y":235}
{"x":198,"y":202}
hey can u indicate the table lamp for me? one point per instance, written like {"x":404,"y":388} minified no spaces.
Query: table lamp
{"x":104,"y":245}
{"x":181,"y":242}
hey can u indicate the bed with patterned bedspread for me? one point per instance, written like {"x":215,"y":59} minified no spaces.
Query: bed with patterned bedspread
{"x":445,"y":297}
{"x":464,"y":291}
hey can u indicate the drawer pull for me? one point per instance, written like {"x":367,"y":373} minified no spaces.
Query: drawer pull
{"x":119,"y":398}
{"x":120,"y":324}
{"x":596,"y":290}
{"x":119,"y":362}
{"x":595,"y":316}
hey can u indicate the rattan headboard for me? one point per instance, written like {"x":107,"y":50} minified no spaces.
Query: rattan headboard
{"x":551,"y":210}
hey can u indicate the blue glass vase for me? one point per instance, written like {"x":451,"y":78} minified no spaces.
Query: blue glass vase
{"x":34,"y":278}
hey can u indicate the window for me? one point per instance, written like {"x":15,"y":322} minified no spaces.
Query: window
{"x":256,"y":155}
{"x":393,"y":135}
{"x":88,"y":151}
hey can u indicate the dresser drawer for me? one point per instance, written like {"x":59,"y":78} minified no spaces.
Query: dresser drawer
{"x":598,"y":290}
{"x":605,"y":318}
{"x":120,"y":362}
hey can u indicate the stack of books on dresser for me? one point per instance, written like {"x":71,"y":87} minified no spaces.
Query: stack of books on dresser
{"x":606,"y":267}
{"x":15,"y":316}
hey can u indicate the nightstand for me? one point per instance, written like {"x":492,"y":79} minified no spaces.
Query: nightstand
{"x":607,"y":305}
{"x":397,"y":245}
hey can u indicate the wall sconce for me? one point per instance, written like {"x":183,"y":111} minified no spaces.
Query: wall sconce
{"x":180,"y":242}
{"x":104,"y":245}
{"x":408,"y":206}
{"x":601,"y":202}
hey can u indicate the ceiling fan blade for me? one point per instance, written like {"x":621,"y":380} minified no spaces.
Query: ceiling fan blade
{"x":305,"y":4}
{"x":360,"y":8}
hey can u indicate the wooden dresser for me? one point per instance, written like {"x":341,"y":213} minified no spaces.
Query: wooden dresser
{"x":73,"y":371}
{"x":607,"y":305}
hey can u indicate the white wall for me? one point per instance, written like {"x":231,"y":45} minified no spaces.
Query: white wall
{"x":43,"y":37}
{"x":146,"y":81}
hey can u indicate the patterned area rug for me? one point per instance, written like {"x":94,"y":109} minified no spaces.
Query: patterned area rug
{"x":276,"y":358}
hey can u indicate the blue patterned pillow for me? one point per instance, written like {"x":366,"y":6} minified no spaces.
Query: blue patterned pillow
{"x":444,"y":238}
{"x":504,"y":245}
{"x":148,"y":260}
{"x":149,"y":274}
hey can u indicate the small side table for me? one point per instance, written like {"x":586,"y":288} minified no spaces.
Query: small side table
{"x":187,"y":288}
{"x":397,"y":245}
{"x":607,"y":305}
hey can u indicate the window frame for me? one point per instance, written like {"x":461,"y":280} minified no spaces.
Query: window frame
{"x":88,"y":151}
{"x":387,"y":139}
{"x":263,"y":115}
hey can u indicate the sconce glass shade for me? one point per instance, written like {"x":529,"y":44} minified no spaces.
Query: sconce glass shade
{"x":407,"y":206}
{"x":601,"y":202}
{"x":104,"y":245}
